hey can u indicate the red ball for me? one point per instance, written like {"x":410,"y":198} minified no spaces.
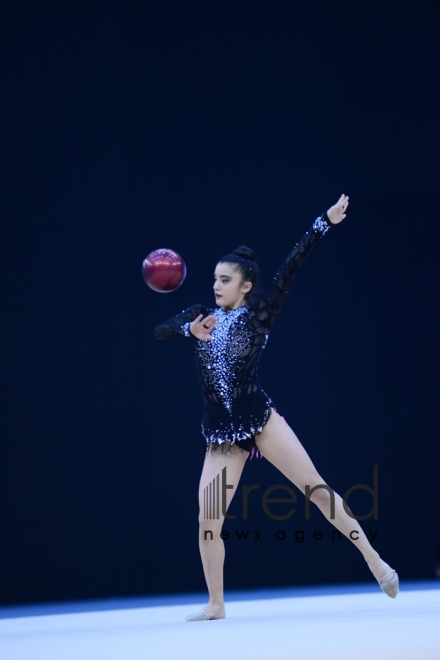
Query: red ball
{"x":164,"y":270}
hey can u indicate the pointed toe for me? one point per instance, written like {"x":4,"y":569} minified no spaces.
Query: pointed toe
{"x":390,"y":584}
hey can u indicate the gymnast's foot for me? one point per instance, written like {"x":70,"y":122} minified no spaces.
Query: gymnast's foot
{"x":209,"y":612}
{"x":385,"y":575}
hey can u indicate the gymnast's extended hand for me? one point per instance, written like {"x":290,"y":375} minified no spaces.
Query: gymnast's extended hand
{"x":201,"y":327}
{"x":337,"y":213}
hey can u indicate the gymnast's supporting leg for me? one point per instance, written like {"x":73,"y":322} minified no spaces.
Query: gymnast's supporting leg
{"x":212,"y":548}
{"x":279,"y":444}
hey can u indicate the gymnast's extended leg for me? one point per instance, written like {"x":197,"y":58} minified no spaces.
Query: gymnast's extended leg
{"x":279,"y":444}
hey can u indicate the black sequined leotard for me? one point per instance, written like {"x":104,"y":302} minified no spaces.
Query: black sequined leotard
{"x":235,"y":406}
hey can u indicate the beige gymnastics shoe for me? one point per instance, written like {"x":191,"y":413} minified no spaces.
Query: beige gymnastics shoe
{"x":390,"y":584}
{"x":202,"y":616}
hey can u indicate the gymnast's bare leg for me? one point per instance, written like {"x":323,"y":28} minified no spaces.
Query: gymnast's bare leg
{"x":279,"y":445}
{"x":213,"y":551}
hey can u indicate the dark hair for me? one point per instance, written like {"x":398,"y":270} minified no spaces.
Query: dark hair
{"x":244,"y":258}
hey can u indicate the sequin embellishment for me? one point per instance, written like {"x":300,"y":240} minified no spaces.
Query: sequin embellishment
{"x":237,"y":433}
{"x":185,"y":329}
{"x":219,"y":355}
{"x":320,"y":225}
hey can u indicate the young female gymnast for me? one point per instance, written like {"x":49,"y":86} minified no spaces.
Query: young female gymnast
{"x":238,"y":416}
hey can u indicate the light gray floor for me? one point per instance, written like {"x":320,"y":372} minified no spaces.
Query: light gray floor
{"x":347,"y":625}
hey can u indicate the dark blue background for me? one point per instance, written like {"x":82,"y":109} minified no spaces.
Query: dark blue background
{"x":129,"y":126}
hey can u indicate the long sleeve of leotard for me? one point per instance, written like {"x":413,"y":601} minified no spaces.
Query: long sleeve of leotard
{"x":178,"y":326}
{"x":271,"y":304}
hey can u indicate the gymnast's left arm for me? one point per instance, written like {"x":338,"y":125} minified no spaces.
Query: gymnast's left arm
{"x":271,"y":304}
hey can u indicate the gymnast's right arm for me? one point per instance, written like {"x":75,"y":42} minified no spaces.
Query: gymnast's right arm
{"x":178,"y":326}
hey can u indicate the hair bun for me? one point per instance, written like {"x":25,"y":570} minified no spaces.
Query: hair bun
{"x":245,"y":252}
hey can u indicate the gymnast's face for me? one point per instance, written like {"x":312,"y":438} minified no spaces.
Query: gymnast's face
{"x":229,"y":289}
